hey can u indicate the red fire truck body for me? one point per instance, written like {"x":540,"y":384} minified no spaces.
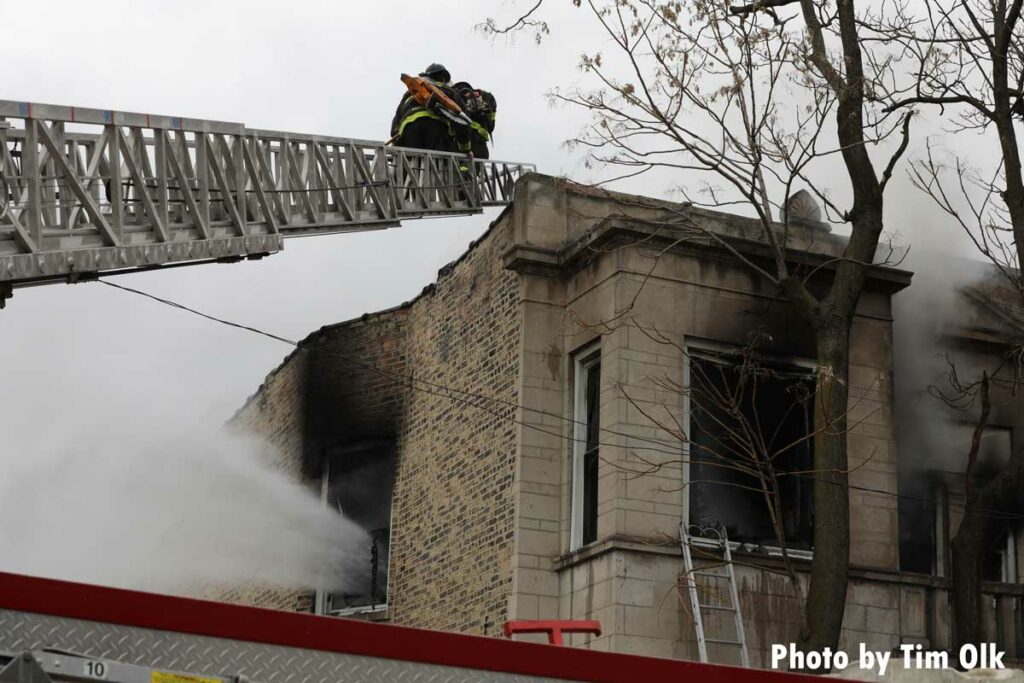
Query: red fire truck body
{"x":68,"y":631}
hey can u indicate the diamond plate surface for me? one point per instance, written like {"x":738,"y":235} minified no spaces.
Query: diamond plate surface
{"x":224,"y":657}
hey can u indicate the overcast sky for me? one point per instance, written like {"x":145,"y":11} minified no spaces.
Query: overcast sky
{"x":90,"y":358}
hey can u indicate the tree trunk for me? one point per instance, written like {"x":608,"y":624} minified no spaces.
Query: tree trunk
{"x":826,"y":595}
{"x":984,"y":520}
{"x":967,"y":549}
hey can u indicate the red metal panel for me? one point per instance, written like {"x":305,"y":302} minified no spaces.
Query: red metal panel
{"x":145,"y":610}
{"x":554,"y":628}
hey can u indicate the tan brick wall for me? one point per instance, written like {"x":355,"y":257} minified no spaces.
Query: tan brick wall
{"x":260,"y":595}
{"x":452,"y":537}
{"x":306,"y":405}
{"x":274,"y":413}
{"x":440,"y":376}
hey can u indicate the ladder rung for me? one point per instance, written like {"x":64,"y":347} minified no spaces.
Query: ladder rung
{"x":717,"y":576}
{"x":722,"y":608}
{"x":722,"y":642}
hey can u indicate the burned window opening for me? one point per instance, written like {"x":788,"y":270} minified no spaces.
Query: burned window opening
{"x":359,"y":484}
{"x":751,"y":432}
{"x":932,"y":505}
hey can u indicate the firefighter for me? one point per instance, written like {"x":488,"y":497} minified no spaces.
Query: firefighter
{"x":481,"y":107}
{"x":414,"y":125}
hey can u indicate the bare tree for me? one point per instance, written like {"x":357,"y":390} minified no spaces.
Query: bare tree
{"x":967,"y":57}
{"x":747,"y":445}
{"x":742,"y":449}
{"x":760,"y":99}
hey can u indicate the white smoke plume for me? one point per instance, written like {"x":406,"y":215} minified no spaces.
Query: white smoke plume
{"x":931,"y":434}
{"x":168,"y":508}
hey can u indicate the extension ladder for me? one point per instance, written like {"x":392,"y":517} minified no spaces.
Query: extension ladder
{"x":713,"y":539}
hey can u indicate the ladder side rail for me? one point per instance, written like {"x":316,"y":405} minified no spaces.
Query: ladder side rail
{"x":735,"y":597}
{"x":691,"y":582}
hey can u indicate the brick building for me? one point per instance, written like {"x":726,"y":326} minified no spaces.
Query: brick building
{"x":510,"y":439}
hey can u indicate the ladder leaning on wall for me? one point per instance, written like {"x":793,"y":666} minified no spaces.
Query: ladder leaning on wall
{"x":713,"y":540}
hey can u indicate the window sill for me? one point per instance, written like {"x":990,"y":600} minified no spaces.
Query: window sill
{"x":660,"y":546}
{"x":611,"y":543}
{"x":375,"y":613}
{"x":751,"y":550}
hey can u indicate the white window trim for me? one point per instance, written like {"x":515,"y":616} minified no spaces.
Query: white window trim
{"x":696,"y":346}
{"x":320,"y":594}
{"x":583,"y":359}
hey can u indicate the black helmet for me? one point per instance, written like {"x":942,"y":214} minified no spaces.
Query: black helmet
{"x":437,"y":72}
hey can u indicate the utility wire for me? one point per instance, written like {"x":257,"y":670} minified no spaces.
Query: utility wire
{"x":412,"y":381}
{"x":437,"y":389}
{"x":182,"y":307}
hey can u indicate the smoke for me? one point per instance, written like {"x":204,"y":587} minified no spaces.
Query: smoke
{"x":933,"y":439}
{"x":168,"y":507}
{"x":925,"y":314}
{"x":932,"y":311}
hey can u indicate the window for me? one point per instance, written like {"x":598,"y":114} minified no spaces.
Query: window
{"x":358,"y":482}
{"x":999,"y":554}
{"x":586,"y":430}
{"x":998,"y":562}
{"x":750,"y":428}
{"x":933,"y":502}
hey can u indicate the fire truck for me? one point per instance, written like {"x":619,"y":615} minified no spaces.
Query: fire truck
{"x":54,"y":631}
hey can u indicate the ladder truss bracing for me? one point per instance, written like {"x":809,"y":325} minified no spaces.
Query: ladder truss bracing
{"x":88,"y":191}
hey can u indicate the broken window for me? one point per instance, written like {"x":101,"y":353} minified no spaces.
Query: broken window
{"x":750,"y":428}
{"x":587,"y":425}
{"x":932,"y":501}
{"x":917,"y":522}
{"x":998,"y":561}
{"x":998,"y":556}
{"x":358,"y":483}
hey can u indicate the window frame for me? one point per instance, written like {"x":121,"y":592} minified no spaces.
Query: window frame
{"x":584,"y":359}
{"x":321,"y":596}
{"x":952,"y":483}
{"x":698,"y":347}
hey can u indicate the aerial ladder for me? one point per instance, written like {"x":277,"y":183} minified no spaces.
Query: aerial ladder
{"x":89,"y":192}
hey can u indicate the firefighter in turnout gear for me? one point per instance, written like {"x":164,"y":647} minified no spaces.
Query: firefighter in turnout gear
{"x":423,"y":126}
{"x":481,"y":107}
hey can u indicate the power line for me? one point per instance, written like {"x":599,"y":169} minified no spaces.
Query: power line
{"x":215,"y":319}
{"x":412,"y":381}
{"x":445,"y":391}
